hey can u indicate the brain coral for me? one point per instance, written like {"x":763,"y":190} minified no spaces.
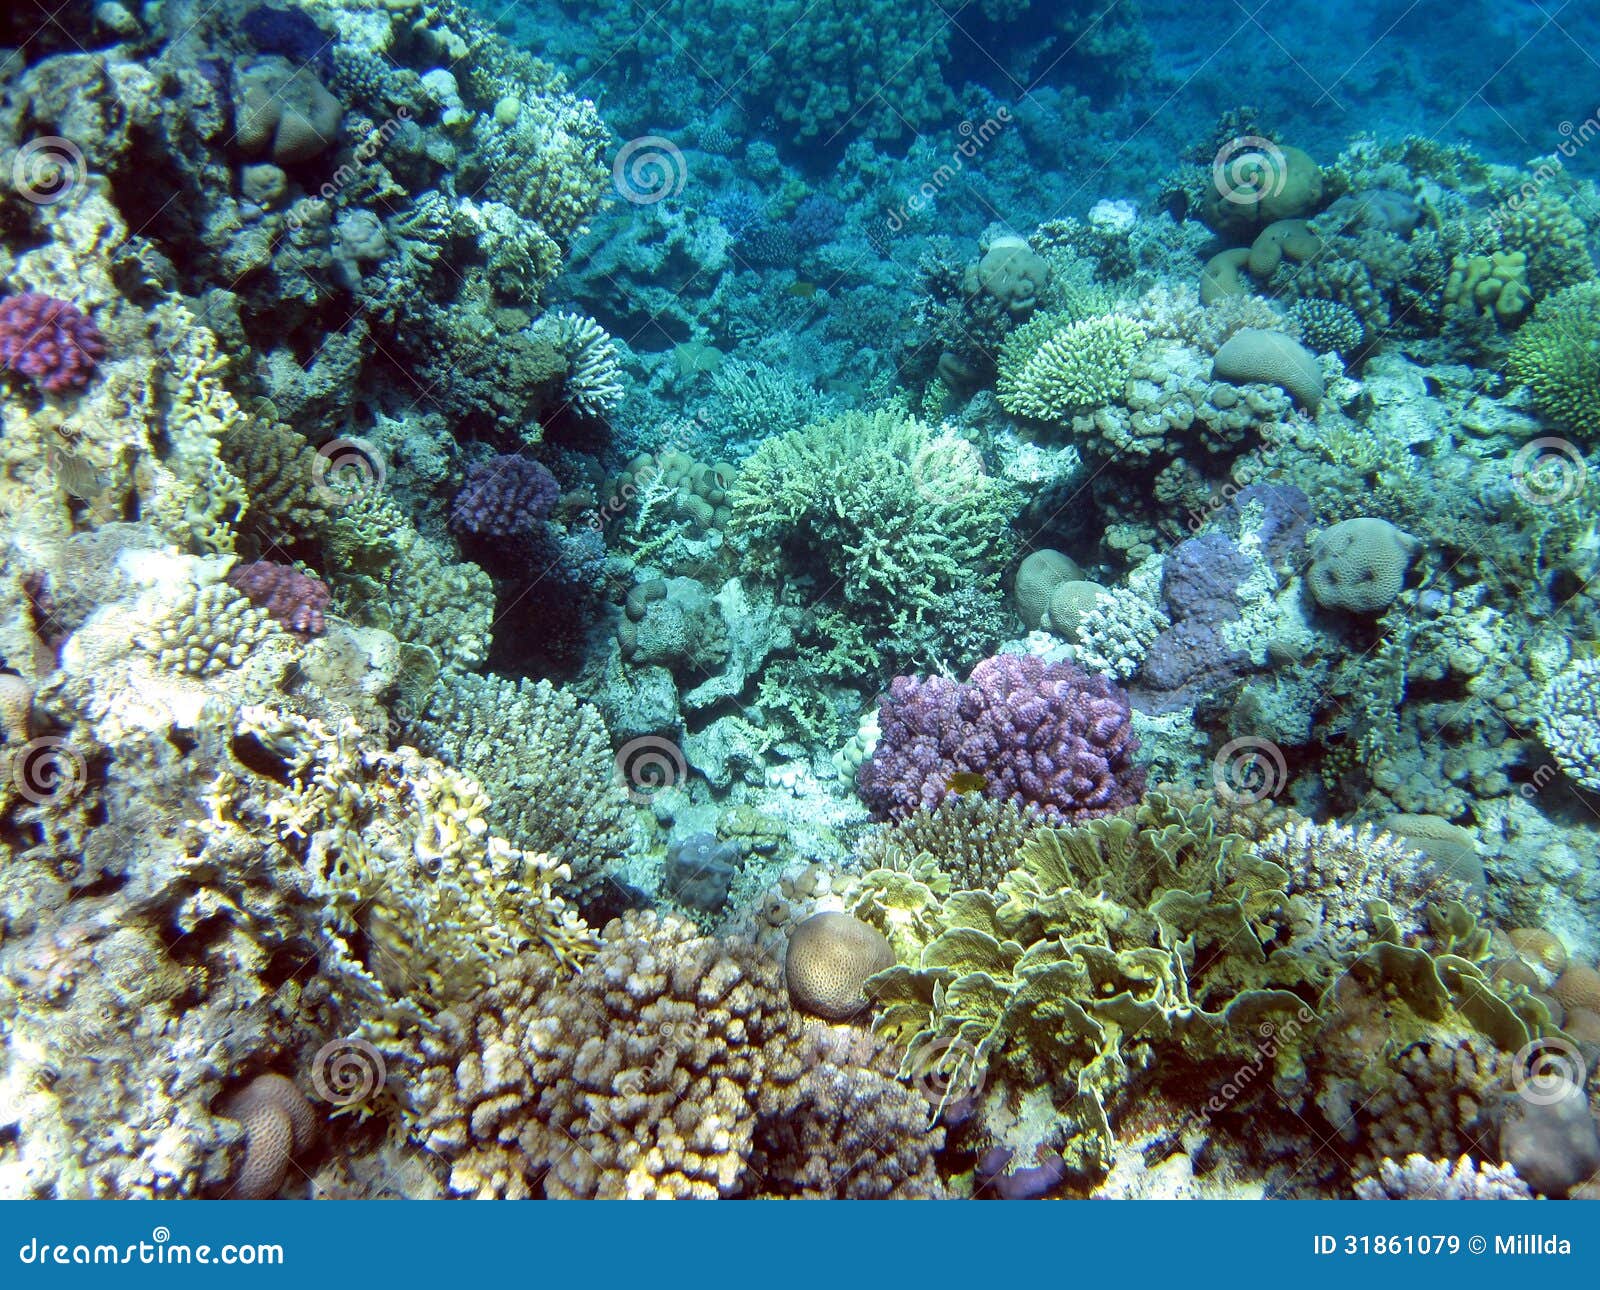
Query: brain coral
{"x":829,"y":959}
{"x":1045,"y":735}
{"x":1360,"y":565}
{"x":1254,"y":356}
{"x":1036,"y":577}
{"x":673,"y":1066}
{"x":279,"y":1124}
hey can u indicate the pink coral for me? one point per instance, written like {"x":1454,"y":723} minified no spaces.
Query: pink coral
{"x":1045,"y":735}
{"x":51,"y":341}
{"x":295,"y":600}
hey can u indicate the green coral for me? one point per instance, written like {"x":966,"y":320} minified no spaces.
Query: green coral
{"x":1050,"y":369}
{"x":1557,"y":356}
{"x":894,"y":517}
{"x":1177,"y":934}
{"x":545,"y":761}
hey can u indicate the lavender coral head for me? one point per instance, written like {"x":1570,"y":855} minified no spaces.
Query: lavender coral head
{"x":51,"y":341}
{"x":1039,"y":734}
{"x":294,"y":600}
{"x":504,"y":497}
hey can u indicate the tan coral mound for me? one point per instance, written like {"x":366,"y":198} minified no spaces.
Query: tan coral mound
{"x":830,"y":957}
{"x":671,"y":1066}
{"x":279,"y":1124}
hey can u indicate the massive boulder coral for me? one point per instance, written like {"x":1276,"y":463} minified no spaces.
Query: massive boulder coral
{"x":673,"y":1066}
{"x":1045,"y":735}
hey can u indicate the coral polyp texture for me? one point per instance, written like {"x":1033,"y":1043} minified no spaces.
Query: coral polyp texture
{"x":51,"y":342}
{"x":807,"y":600}
{"x":1044,"y":735}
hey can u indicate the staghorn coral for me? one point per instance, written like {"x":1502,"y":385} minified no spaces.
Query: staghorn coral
{"x":672,"y":1066}
{"x":1568,"y":719}
{"x":897,"y":516}
{"x":1051,"y":371}
{"x":279,"y":1124}
{"x":593,"y":381}
{"x":545,"y":759}
{"x":1554,"y":356}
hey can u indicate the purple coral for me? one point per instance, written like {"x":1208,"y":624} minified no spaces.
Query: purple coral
{"x":1039,"y":734}
{"x":294,"y":600}
{"x":504,"y":497}
{"x":51,"y":341}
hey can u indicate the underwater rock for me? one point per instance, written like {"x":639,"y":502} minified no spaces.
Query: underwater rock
{"x":700,"y":870}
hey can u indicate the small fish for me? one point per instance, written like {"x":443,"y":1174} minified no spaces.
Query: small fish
{"x":76,"y":475}
{"x":805,"y":290}
{"x":966,"y":781}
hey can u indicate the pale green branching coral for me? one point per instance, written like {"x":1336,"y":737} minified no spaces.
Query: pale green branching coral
{"x":898,"y":516}
{"x":546,"y":761}
{"x":1557,"y":356}
{"x":1050,"y":370}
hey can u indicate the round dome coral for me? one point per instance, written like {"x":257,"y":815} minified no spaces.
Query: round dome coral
{"x":830,"y":957}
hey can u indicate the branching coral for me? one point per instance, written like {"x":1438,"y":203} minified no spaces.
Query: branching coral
{"x":1557,"y":356}
{"x":545,"y":759}
{"x":902,"y":516}
{"x":672,"y":1067}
